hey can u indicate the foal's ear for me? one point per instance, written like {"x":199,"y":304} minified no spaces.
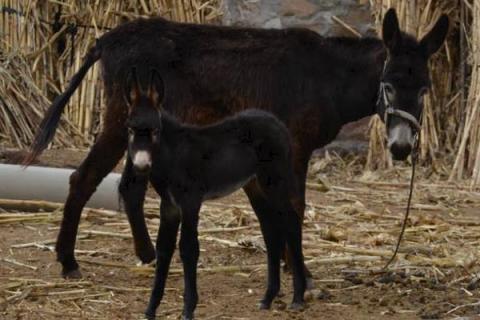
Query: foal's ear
{"x":391,"y":30}
{"x":132,"y":88}
{"x":156,"y":89}
{"x":433,"y":40}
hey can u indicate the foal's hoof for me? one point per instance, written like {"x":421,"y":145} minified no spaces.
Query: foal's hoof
{"x":152,"y":263}
{"x":149,"y":315}
{"x":146,"y":256}
{"x":72,"y":274}
{"x":184,"y":317}
{"x":297,"y":306}
{"x":264,"y":305}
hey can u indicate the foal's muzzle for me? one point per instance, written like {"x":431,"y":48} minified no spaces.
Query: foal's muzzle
{"x":142,"y":162}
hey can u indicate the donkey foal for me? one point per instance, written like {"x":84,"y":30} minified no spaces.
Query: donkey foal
{"x":187,"y":165}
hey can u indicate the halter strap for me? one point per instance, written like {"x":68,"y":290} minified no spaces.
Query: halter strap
{"x":391,"y":111}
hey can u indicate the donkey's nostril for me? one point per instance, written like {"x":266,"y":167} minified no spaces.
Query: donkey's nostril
{"x":400,"y":151}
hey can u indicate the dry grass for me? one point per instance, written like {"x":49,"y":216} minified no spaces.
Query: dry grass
{"x":22,"y":104}
{"x":349,"y":232}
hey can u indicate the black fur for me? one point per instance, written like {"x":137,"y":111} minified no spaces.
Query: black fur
{"x":192,"y":164}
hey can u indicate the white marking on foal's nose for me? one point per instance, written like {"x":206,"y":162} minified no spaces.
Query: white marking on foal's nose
{"x":142,"y":159}
{"x":401,"y":134}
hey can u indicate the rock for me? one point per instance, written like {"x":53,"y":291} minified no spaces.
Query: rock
{"x":313,"y":14}
{"x":323,"y":295}
{"x":299,"y":8}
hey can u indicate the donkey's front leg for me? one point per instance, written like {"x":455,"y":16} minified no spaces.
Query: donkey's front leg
{"x":132,"y":189}
{"x":166,"y":241}
{"x":189,"y":252}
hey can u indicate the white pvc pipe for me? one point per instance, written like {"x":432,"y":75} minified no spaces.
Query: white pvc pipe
{"x":52,"y":184}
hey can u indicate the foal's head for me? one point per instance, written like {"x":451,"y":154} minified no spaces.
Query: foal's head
{"x":144,"y":119}
{"x":405,"y":81}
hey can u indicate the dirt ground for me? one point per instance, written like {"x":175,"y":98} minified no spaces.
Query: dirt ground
{"x":349,"y":233}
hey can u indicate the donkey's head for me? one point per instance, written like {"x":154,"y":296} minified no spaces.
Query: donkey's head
{"x":144,"y":119}
{"x":405,"y":81}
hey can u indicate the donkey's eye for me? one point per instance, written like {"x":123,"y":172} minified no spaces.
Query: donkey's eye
{"x":389,"y":89}
{"x":155,"y":132}
{"x":131,"y":131}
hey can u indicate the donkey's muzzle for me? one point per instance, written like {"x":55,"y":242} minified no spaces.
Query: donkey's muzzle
{"x":400,"y":140}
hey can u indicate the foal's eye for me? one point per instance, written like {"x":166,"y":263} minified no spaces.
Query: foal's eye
{"x":155,"y":132}
{"x":130,"y":131}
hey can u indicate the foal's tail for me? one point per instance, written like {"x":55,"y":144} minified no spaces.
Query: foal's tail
{"x":49,"y":124}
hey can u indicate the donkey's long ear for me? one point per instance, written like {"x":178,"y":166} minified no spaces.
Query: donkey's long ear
{"x":156,"y":89}
{"x":391,"y":30}
{"x":131,"y":91}
{"x":433,"y":40}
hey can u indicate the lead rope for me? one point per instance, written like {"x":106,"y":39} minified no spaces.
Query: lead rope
{"x":390,"y":111}
{"x":409,"y":201}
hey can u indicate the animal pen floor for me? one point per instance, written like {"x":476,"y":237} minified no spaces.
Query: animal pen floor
{"x":349,"y":232}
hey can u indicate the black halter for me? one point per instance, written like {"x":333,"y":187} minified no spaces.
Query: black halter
{"x":390,"y":110}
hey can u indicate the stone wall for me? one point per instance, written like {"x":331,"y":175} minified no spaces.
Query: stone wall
{"x":312,"y":14}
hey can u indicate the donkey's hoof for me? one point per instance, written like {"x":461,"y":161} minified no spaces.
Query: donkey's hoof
{"x":297,"y":306}
{"x":72,"y":274}
{"x":149,"y":315}
{"x":184,"y":317}
{"x":264,"y":305}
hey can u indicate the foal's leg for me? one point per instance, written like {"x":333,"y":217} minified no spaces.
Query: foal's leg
{"x":103,"y":156}
{"x":166,"y":241}
{"x":189,"y":252}
{"x":273,"y":241}
{"x":132,"y":189}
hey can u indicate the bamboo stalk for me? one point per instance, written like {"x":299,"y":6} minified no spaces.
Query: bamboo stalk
{"x":37,"y":66}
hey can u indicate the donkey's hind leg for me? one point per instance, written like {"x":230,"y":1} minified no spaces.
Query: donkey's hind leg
{"x":298,"y":201}
{"x":132,"y":189}
{"x":103,"y":156}
{"x":277,"y":190}
{"x":273,"y":241}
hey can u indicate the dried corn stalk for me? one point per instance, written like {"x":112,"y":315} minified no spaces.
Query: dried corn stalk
{"x":467,"y":161}
{"x":52,"y":57}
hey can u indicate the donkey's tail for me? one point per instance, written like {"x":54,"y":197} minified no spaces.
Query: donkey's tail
{"x":49,"y":124}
